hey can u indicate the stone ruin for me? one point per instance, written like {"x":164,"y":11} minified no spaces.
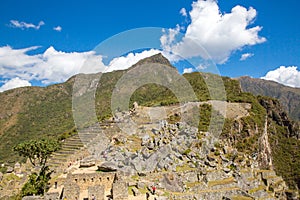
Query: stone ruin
{"x":83,"y":186}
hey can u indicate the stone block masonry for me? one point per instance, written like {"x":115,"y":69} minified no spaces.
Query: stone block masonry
{"x":120,"y":190}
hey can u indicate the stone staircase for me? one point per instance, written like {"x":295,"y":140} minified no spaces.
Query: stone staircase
{"x":74,"y":148}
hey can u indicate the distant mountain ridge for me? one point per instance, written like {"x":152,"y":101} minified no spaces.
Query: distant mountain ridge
{"x":289,"y":97}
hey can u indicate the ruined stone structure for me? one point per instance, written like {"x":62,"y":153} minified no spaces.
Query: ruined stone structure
{"x":82,"y":186}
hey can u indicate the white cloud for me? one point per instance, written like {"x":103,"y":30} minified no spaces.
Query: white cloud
{"x":127,"y":61}
{"x":215,"y":33}
{"x":57,"y":28}
{"x":49,"y":67}
{"x":183,"y":12}
{"x":188,"y":70}
{"x":14,"y":83}
{"x":289,"y":76}
{"x":15,"y":58}
{"x":24,"y":25}
{"x":245,"y":56}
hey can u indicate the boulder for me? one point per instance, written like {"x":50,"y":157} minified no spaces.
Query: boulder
{"x":107,"y":167}
{"x":141,"y":185}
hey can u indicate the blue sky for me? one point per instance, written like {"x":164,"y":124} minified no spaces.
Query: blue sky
{"x":271,"y":52}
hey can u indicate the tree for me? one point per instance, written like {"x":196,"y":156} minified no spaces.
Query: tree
{"x":38,"y":152}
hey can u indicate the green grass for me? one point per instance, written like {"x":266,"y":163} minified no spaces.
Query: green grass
{"x":221,"y":182}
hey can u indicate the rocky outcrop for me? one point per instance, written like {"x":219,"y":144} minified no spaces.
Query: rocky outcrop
{"x":276,"y":113}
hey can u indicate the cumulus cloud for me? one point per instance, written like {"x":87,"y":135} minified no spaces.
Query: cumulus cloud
{"x":289,"y":76}
{"x":24,"y":25}
{"x":127,"y":61}
{"x":14,"y":83}
{"x":15,"y":58}
{"x":183,"y":12}
{"x":57,"y":28}
{"x":245,"y":56}
{"x":188,"y":70}
{"x":52,"y":66}
{"x":214,"y":34}
{"x":57,"y":66}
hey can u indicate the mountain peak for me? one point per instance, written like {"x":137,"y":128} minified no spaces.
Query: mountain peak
{"x":157,"y":58}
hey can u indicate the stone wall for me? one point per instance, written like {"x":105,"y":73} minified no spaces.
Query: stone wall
{"x":97,"y":191}
{"x":71,"y":191}
{"x":120,"y":190}
{"x":91,"y":179}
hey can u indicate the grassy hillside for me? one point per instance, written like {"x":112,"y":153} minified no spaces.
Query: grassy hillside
{"x":289,"y":97}
{"x":32,"y":113}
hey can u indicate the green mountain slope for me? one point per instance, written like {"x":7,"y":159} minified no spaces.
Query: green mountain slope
{"x":289,"y":97}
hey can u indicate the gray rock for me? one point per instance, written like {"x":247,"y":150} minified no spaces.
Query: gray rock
{"x":128,"y":171}
{"x":107,"y":167}
{"x":141,"y":185}
{"x":137,"y":164}
{"x":151,"y":163}
{"x":88,"y":162}
{"x":145,"y":153}
{"x":9,"y":170}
